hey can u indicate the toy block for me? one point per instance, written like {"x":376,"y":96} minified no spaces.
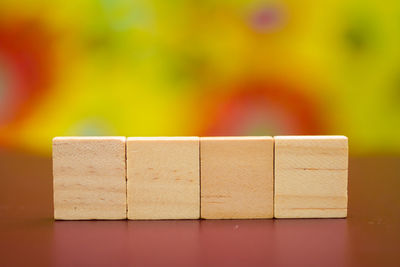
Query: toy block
{"x":89,"y":178}
{"x":163,"y":178}
{"x":236,"y":177}
{"x":311,"y":176}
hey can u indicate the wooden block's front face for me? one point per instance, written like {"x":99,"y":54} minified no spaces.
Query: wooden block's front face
{"x":163,"y":178}
{"x":236,"y":177}
{"x":311,"y":176}
{"x":89,"y":178}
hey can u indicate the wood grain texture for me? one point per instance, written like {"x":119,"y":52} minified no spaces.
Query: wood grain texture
{"x":89,"y":178}
{"x":163,"y":178}
{"x":311,"y":176}
{"x":236,"y":177}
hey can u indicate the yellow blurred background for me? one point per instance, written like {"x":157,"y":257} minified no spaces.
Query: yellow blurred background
{"x":161,"y":68}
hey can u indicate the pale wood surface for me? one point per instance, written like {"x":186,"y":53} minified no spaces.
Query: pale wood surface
{"x":89,"y":178}
{"x":163,"y":178}
{"x":311,"y":176}
{"x":236,"y":177}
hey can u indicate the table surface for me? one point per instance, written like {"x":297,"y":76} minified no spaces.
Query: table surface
{"x":370,"y":236}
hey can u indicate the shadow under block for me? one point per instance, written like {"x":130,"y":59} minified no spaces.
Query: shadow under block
{"x":163,"y":178}
{"x":311,"y":176}
{"x":89,"y":178}
{"x":236,"y":177}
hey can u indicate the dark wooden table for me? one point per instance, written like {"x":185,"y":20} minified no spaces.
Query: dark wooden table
{"x":370,"y":236}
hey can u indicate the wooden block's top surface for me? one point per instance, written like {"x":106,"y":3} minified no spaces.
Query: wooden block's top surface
{"x":311,"y":176}
{"x":235,"y":138}
{"x":89,"y":177}
{"x":311,"y":137}
{"x":236,"y":177}
{"x":163,"y":138}
{"x":88,"y":138}
{"x":163,"y":178}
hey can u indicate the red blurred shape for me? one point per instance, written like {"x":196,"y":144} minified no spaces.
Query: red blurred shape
{"x":259,"y":108}
{"x":26,"y":61}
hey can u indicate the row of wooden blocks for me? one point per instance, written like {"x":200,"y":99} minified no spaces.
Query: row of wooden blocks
{"x":149,"y":178}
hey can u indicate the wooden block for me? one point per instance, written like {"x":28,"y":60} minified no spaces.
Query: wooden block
{"x":311,"y":176}
{"x":89,"y":178}
{"x":163,"y":178}
{"x":236,"y":177}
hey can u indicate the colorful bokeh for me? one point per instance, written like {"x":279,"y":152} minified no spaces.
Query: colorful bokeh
{"x":161,"y":68}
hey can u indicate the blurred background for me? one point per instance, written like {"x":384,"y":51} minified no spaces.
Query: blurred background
{"x":211,"y":67}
